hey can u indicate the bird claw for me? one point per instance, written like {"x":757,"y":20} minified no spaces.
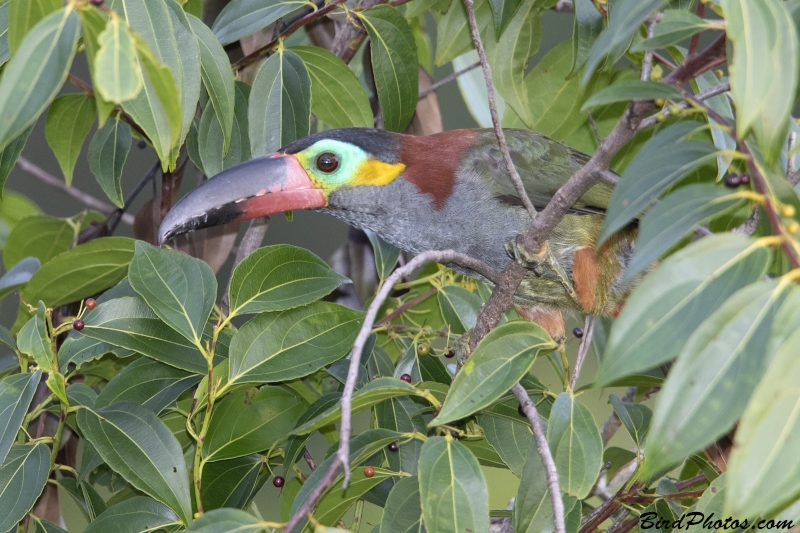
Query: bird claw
{"x":516,"y":250}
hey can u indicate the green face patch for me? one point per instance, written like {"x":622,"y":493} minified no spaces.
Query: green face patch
{"x":333,"y":164}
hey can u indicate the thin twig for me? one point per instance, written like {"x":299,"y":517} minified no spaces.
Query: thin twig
{"x":250,"y":242}
{"x":705,"y":95}
{"x":498,"y":130}
{"x":701,"y":9}
{"x":115,"y":217}
{"x":647,"y":61}
{"x":88,"y":89}
{"x":664,"y":61}
{"x":314,"y":496}
{"x":406,"y":306}
{"x":86,"y":199}
{"x":529,"y":408}
{"x":259,"y":53}
{"x":583,"y":349}
{"x":444,"y":256}
{"x":448,"y":79}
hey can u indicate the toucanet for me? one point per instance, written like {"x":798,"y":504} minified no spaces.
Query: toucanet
{"x":444,"y":191}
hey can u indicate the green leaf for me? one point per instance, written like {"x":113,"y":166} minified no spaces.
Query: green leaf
{"x":290,"y":344}
{"x":37,"y":236}
{"x":509,"y":57}
{"x":119,"y":77}
{"x":250,"y":421}
{"x":722,"y":105}
{"x":554,"y":98}
{"x":8,"y":339}
{"x":148,"y":383}
{"x":93,"y":23}
{"x":337,"y":97}
{"x":619,"y":32}
{"x":23,"y":15}
{"x":667,"y":222}
{"x":24,"y":91}
{"x":211,"y":144}
{"x":710,"y":502}
{"x":394,"y":64}
{"x":279,"y":277}
{"x":226,"y":521}
{"x":156,"y":109}
{"x":459,"y":307}
{"x":367,"y":396}
{"x":635,"y":417}
{"x":336,"y":501}
{"x":533,"y":508}
{"x":709,"y":385}
{"x":362,"y":447}
{"x":34,"y":340}
{"x":509,"y":438}
{"x":453,"y":490}
{"x":241,"y":18}
{"x":576,"y":444}
{"x":403,"y":513}
{"x":453,"y":36}
{"x":501,"y":359}
{"x":135,"y":443}
{"x":132,"y":516}
{"x":4,"y":50}
{"x":280,"y":103}
{"x":180,"y":289}
{"x":107,"y":154}
{"x":215,"y":69}
{"x":764,"y":70}
{"x":232,"y":483}
{"x":397,"y":414}
{"x":665,"y":159}
{"x":16,"y":394}
{"x":81,"y":272}
{"x":130,"y":323}
{"x":626,"y":90}
{"x":502,"y":12}
{"x":386,"y":255}
{"x":22,"y":478}
{"x":675,"y":26}
{"x":296,"y":443}
{"x":18,"y":275}
{"x":670,"y":303}
{"x":763,"y":472}
{"x":587,"y":27}
{"x":10,"y":154}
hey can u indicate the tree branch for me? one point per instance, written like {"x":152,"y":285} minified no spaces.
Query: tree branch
{"x":498,"y":130}
{"x":448,"y":79}
{"x":583,"y":349}
{"x":580,"y":182}
{"x":529,"y":408}
{"x":86,"y":199}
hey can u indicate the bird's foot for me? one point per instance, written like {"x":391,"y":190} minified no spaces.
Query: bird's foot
{"x":535,"y":260}
{"x":461,"y":348}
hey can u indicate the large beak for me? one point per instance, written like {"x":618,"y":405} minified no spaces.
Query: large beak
{"x":263,"y":186}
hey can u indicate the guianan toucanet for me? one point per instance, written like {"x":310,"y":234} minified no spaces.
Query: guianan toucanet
{"x":444,"y":191}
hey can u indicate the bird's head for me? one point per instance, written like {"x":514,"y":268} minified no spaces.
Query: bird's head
{"x":302,"y":175}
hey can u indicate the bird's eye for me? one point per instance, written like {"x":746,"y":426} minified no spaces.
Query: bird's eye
{"x":327,"y":162}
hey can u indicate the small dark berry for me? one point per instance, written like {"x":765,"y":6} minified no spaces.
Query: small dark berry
{"x":142,"y":145}
{"x":733,"y":180}
{"x":406,"y":378}
{"x":369,"y":471}
{"x":78,"y":324}
{"x":423,"y":349}
{"x":96,"y":2}
{"x":90,"y":303}
{"x":450,"y":354}
{"x":278,"y":481}
{"x":745,"y":179}
{"x":393,"y":447}
{"x":578,"y":332}
{"x":521,"y":411}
